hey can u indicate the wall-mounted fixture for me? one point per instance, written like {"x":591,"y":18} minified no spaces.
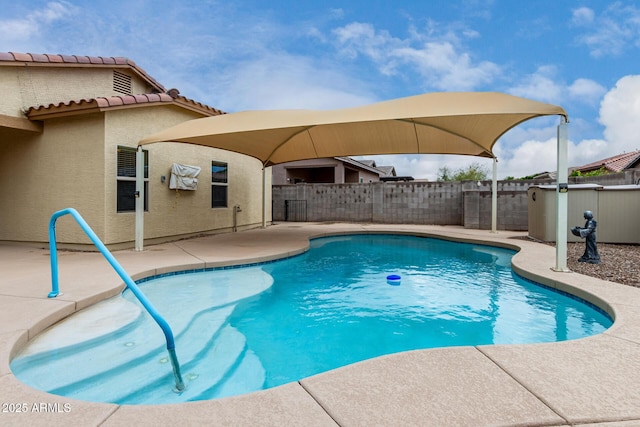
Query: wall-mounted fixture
{"x":163,"y":178}
{"x":236,"y":209}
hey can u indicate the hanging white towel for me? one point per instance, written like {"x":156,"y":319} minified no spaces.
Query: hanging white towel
{"x":184,"y":177}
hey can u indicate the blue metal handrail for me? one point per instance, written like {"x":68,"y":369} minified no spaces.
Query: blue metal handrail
{"x":168,"y":333}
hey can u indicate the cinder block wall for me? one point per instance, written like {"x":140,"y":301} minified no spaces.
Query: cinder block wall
{"x":466,"y":203}
{"x":438,"y":203}
{"x":434,"y":203}
{"x":512,"y":210}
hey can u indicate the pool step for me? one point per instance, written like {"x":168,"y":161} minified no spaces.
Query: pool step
{"x":133,"y":358}
{"x":211,"y":367}
{"x":216,"y":369}
{"x":247,"y":376}
{"x":115,"y":317}
{"x":131,"y":352}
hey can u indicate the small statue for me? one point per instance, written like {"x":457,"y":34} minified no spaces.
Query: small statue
{"x":588,"y":232}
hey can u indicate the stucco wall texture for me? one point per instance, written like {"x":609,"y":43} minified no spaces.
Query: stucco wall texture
{"x":74,"y":164}
{"x":70,"y":161}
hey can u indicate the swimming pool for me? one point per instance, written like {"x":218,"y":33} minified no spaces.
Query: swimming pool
{"x":256,"y":327}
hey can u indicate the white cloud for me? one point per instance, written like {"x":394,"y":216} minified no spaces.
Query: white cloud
{"x":426,"y":166}
{"x":359,"y":38}
{"x":445,"y":68}
{"x":541,"y":86}
{"x":612,"y":32}
{"x":285,"y":81}
{"x":535,"y":156}
{"x":52,"y":12}
{"x":437,"y":58}
{"x":583,"y":16}
{"x":620,"y":114}
{"x":545,"y":86}
{"x":14,"y":31}
{"x":586,"y":90}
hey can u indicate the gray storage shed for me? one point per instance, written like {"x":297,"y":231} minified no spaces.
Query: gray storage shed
{"x":616,"y":208}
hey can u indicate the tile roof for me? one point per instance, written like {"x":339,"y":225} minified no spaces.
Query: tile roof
{"x":84,"y":106}
{"x":614,"y":164}
{"x":77,"y":60}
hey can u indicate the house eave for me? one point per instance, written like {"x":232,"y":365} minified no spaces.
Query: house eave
{"x":20,"y":124}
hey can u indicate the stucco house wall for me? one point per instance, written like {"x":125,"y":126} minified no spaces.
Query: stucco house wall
{"x":175,"y":213}
{"x":60,"y":128}
{"x":41,"y":85}
{"x":62,"y":167}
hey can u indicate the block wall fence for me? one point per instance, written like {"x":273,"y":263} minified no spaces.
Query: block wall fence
{"x":465,"y":203}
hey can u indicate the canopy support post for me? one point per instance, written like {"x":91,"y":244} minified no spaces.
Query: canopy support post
{"x":494,"y":197}
{"x":139,"y":195}
{"x":264,"y":197}
{"x":562,"y":197}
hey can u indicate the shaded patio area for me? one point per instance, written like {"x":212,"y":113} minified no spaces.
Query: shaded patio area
{"x":581,"y":382}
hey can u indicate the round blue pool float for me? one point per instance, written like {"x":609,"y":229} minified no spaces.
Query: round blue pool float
{"x":393,"y":279}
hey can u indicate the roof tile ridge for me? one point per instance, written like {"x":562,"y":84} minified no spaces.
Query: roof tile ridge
{"x":611,"y":163}
{"x":39,"y":57}
{"x":20,"y":57}
{"x":200,"y":105}
{"x":103,"y":102}
{"x":78,"y":59}
{"x":636,"y":157}
{"x":68,"y":103}
{"x":114,"y":101}
{"x":55,"y":59}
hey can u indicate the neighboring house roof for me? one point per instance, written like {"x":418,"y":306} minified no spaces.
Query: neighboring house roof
{"x":384,"y":171}
{"x":78,"y":61}
{"x":370,"y":163}
{"x":614,"y":164}
{"x":363,"y":164}
{"x":545,"y":175}
{"x":84,"y":106}
{"x":387,"y":170}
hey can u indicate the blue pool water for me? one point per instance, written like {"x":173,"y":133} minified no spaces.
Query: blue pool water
{"x":245,"y":329}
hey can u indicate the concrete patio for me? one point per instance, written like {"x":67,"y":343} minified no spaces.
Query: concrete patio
{"x":591,"y":381}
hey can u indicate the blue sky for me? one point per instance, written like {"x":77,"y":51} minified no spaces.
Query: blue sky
{"x":247,"y":54}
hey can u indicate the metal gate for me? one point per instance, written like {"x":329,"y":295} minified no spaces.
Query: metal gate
{"x":295,"y":210}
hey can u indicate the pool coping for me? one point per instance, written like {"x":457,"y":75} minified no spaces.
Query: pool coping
{"x":585,"y":381}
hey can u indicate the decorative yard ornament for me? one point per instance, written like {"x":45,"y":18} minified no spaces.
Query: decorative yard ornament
{"x":588,"y":232}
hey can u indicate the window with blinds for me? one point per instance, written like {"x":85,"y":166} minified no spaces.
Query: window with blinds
{"x":126,"y":179}
{"x":219,"y":184}
{"x":122,"y":83}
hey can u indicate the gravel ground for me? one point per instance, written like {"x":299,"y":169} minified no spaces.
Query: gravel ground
{"x":618,"y":263}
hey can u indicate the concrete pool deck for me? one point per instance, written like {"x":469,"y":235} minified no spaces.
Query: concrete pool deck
{"x":589,"y":381}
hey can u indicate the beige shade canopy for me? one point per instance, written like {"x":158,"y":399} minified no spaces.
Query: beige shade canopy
{"x":467,"y":123}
